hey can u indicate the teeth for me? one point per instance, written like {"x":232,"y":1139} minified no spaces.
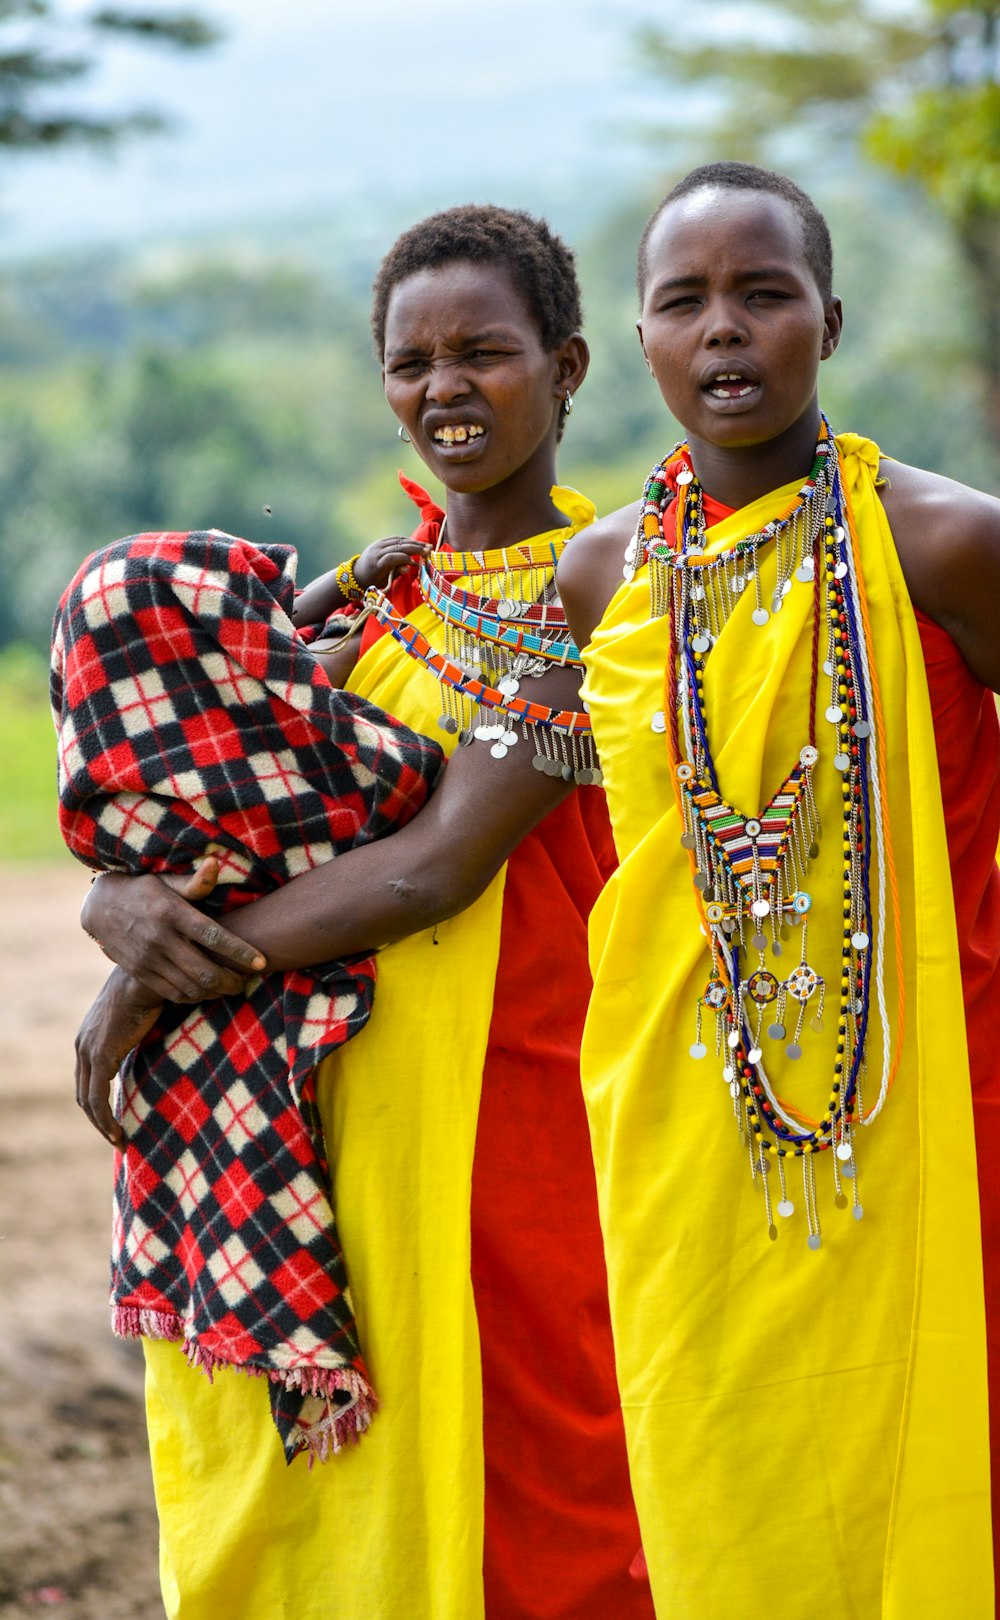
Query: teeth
{"x":723,"y":393}
{"x":458,"y":435}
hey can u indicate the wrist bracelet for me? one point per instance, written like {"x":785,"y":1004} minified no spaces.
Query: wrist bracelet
{"x":347,"y":583}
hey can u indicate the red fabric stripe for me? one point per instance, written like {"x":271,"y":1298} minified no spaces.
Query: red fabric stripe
{"x":968,"y":749}
{"x":561,"y":1530}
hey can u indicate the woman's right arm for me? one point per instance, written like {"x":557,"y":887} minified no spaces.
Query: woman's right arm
{"x":374,"y":894}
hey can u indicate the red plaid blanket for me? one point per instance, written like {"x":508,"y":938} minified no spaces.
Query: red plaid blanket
{"x":191,"y":718}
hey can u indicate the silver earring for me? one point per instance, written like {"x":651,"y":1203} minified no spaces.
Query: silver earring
{"x":403,"y":434}
{"x":568,"y":404}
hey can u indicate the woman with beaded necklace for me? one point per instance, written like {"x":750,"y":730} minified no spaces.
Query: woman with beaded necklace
{"x":791,"y":650}
{"x":493,"y":1479}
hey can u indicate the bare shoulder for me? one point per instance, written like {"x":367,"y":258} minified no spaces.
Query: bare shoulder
{"x":590,"y":569}
{"x":947,"y":537}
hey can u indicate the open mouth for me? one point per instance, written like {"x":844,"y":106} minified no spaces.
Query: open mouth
{"x":459,"y":433}
{"x":732,"y":385}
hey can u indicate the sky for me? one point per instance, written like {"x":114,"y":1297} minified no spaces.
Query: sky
{"x":311,"y":104}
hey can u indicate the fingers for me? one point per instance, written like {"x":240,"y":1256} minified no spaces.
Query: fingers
{"x":93,"y":1094}
{"x":109,"y":1032}
{"x":196,"y":885}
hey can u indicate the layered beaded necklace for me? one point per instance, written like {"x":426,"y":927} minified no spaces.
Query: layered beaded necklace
{"x":751,"y":870}
{"x":503,"y":624}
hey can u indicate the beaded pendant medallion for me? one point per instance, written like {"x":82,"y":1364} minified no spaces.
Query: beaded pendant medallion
{"x":751,"y":868}
{"x":503,"y":625}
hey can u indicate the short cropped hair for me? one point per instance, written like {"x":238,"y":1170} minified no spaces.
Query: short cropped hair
{"x":539,"y":263}
{"x":748,"y":177}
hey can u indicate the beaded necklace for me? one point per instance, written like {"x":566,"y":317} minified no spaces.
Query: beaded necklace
{"x":502,"y":625}
{"x":750,"y":871}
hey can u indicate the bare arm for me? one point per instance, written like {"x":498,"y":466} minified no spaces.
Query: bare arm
{"x":590,"y":570}
{"x":948,"y":540}
{"x":433,"y":868}
{"x":376,"y":563}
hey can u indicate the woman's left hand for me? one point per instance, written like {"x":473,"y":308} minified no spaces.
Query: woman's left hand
{"x":116,"y":1022}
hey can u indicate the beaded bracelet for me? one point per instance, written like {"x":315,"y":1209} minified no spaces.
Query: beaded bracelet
{"x":347,"y":582}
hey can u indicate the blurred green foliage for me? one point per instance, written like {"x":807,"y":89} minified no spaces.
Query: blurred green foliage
{"x":28,"y":825}
{"x":200,"y":389}
{"x":913,"y":86}
{"x":232,"y":390}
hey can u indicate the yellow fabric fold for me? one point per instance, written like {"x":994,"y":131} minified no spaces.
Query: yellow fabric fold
{"x":807,"y":1430}
{"x":390,"y":1529}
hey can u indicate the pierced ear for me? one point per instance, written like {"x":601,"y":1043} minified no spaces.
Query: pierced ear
{"x":572,"y":362}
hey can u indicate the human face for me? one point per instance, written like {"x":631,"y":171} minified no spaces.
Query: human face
{"x":466,"y":374}
{"x":733,"y":325}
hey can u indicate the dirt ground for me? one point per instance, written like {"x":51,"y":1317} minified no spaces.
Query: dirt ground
{"x":77,"y":1522}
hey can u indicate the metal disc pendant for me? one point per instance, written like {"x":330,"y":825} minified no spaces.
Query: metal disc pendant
{"x":754,"y":1055}
{"x":776,"y":1032}
{"x":509,"y":738}
{"x":464,"y":737}
{"x":848,"y":1168}
{"x":761,"y":908}
{"x":688,"y":841}
{"x":834,"y":713}
{"x":793,"y":1050}
{"x":861,"y":728}
{"x":786,"y":1208}
{"x":860,"y":941}
{"x":698,"y":1050}
{"x":840,"y":1200}
{"x":760,"y":616}
{"x":700,"y":644}
{"x":499,"y":750}
{"x":804,"y":572}
{"x":841,"y":762}
{"x":659,"y":721}
{"x":816,"y":1025}
{"x":844,"y":1151}
{"x":858,"y":1212}
{"x":772,"y":1232}
{"x":814,"y":1240}
{"x":759,"y":942}
{"x":539,"y":761}
{"x":840,"y":570}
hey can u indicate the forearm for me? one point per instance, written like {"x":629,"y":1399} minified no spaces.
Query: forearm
{"x":434,"y":868}
{"x":370,"y":896}
{"x":315,"y":603}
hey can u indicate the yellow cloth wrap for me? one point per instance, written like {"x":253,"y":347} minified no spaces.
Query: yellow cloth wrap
{"x":807,"y":1431}
{"x":392,"y":1528}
